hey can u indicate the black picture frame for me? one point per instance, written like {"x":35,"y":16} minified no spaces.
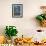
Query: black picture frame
{"x":17,"y":10}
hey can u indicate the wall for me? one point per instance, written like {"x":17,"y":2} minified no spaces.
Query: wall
{"x":26,"y":25}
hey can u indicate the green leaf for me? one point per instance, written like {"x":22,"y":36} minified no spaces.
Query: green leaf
{"x":40,"y":18}
{"x":45,"y":16}
{"x":11,"y":31}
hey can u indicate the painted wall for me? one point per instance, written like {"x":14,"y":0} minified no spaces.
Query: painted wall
{"x":26,"y":25}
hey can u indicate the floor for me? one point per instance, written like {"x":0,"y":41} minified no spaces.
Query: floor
{"x":30,"y":45}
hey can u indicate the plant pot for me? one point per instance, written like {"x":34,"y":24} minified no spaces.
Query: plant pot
{"x":13,"y":38}
{"x":9,"y":41}
{"x":43,"y":23}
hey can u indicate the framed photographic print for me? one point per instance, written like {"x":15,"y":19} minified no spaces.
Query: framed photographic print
{"x":17,"y":10}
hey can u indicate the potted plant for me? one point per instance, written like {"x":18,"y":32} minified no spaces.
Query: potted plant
{"x":42,"y":17}
{"x":10,"y":31}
